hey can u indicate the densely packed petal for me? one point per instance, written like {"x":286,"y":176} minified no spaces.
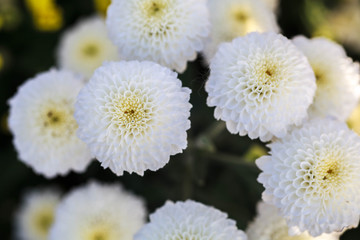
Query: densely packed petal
{"x":168,"y":32}
{"x":133,"y":116}
{"x":260,"y":84}
{"x":312,"y":176}
{"x":85,"y":47}
{"x":98,"y":211}
{"x":41,"y":119}
{"x":189,"y":220}
{"x":337,"y":77}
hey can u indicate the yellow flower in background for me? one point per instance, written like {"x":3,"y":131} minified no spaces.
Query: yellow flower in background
{"x":354,"y":120}
{"x":47,"y":16}
{"x":101,"y":6}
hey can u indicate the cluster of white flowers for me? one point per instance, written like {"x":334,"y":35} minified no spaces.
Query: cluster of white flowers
{"x":132,"y":115}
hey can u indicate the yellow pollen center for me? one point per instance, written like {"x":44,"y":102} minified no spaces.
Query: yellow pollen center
{"x":241,"y":16}
{"x":132,"y":112}
{"x":43,"y":221}
{"x":154,"y":8}
{"x":56,"y":120}
{"x":267,"y":74}
{"x":90,"y":50}
{"x":328,"y":172}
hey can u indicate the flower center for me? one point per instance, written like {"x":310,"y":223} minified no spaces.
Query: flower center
{"x":43,"y":221}
{"x":328,"y":172}
{"x":56,"y":120}
{"x":267,"y":73}
{"x":132,"y":112}
{"x":240,"y":14}
{"x":154,"y":8}
{"x":90,"y":50}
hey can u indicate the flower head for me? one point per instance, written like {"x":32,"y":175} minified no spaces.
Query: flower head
{"x":312,"y":176}
{"x":189,"y":220}
{"x":168,"y":32}
{"x":337,"y":78}
{"x":41,"y":119}
{"x":260,"y":85}
{"x":234,"y":18}
{"x":133,"y":115}
{"x":97,"y":211}
{"x":85,"y":47}
{"x":270,"y":225}
{"x":36,"y":214}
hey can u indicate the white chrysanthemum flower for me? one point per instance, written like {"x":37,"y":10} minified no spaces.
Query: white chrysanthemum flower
{"x":260,"y":84}
{"x":41,"y":119}
{"x":168,"y":32}
{"x":234,"y":18}
{"x":337,"y":77}
{"x":313,"y":177}
{"x":269,"y":225}
{"x":189,"y":220}
{"x":133,"y":116}
{"x":98,"y":212}
{"x":36,"y":214}
{"x":86,"y":46}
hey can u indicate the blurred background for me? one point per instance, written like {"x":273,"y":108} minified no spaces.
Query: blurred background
{"x":221,"y":172}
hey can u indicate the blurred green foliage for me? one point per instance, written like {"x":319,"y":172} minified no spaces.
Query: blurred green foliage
{"x":220,"y":171}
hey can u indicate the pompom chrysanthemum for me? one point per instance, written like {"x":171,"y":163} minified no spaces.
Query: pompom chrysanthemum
{"x":313,"y":177}
{"x":233,"y":18}
{"x":337,"y":78}
{"x":260,"y":84}
{"x":41,"y":119}
{"x":168,"y":32}
{"x":189,"y":220}
{"x":35,"y":216}
{"x":133,"y":116}
{"x":97,"y":211}
{"x":269,"y":225}
{"x":85,"y":47}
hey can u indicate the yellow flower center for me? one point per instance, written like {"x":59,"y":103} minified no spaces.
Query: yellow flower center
{"x":239,"y":14}
{"x":131,"y":112}
{"x":57,"y":120}
{"x":43,"y":221}
{"x":154,"y":8}
{"x":101,"y":229}
{"x":90,"y":50}
{"x":328,"y":172}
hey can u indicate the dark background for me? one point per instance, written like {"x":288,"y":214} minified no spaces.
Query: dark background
{"x":220,"y":173}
